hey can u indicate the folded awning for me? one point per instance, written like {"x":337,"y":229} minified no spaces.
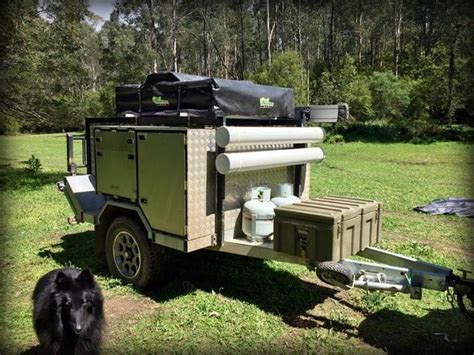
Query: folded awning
{"x":170,"y":92}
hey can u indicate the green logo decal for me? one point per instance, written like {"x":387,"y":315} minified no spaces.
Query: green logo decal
{"x":158,"y":100}
{"x":265,"y":102}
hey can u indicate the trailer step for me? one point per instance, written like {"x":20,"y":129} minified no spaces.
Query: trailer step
{"x":83,"y":198}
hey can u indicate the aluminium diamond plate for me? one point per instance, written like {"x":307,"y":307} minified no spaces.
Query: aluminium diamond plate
{"x":201,"y":182}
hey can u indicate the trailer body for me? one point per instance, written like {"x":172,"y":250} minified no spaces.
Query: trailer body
{"x":185,"y":153}
{"x":169,"y":174}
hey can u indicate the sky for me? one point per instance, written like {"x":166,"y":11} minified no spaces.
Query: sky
{"x":102,"y":8}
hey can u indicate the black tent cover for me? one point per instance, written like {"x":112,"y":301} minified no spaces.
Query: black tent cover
{"x":460,"y":206}
{"x":172,"y":92}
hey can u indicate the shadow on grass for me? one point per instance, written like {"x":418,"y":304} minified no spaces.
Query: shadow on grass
{"x":77,"y":250}
{"x":250,"y":280}
{"x":281,"y":293}
{"x":12,"y":179}
{"x":34,"y":350}
{"x":441,"y":331}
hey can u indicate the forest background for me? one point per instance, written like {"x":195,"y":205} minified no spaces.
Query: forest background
{"x":404,"y":63}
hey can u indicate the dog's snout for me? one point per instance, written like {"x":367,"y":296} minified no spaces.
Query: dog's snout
{"x":76,"y":325}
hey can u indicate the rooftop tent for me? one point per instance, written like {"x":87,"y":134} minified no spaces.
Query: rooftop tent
{"x":171,"y":92}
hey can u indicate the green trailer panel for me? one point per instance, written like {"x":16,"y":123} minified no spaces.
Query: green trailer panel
{"x":116,"y":163}
{"x":162,"y":181}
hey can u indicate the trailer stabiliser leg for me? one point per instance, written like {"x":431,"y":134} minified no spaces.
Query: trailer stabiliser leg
{"x":399,"y":273}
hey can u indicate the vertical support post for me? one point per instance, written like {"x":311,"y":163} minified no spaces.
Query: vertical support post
{"x":298,"y":175}
{"x":220,"y":198}
{"x":70,"y":153}
{"x":299,"y":168}
{"x":84,"y":152}
{"x":88,"y":146}
{"x":220,"y":195}
{"x":178,"y":105}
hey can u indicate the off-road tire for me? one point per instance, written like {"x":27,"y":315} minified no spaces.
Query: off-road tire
{"x":152,"y":256}
{"x":334,"y":273}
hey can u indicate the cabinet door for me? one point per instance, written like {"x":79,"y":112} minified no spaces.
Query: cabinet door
{"x":161,"y":180}
{"x":116,"y":167}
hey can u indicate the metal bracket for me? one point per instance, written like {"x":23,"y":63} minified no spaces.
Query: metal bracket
{"x":389,"y":258}
{"x":415,"y":293}
{"x":464,"y":273}
{"x":398,"y":273}
{"x":371,"y":276}
{"x":71,"y":165}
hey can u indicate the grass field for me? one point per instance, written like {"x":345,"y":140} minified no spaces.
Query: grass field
{"x":225,"y":303}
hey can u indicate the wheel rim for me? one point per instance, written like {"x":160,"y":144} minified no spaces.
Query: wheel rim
{"x":127,"y":256}
{"x":333,"y":277}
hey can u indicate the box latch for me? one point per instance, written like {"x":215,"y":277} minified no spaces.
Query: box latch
{"x":302,"y":239}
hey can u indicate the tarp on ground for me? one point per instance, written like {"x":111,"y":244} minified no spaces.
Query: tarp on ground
{"x":452,"y":205}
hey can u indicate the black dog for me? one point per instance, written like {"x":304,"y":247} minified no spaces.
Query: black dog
{"x":68,"y":313}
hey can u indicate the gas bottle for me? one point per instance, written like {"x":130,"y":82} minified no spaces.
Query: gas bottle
{"x":284,"y":195}
{"x":258,"y":215}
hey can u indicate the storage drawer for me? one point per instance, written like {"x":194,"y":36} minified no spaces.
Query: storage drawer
{"x":317,"y":233}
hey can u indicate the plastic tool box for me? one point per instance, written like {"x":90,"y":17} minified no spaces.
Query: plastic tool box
{"x":371,"y":215}
{"x":327,"y":229}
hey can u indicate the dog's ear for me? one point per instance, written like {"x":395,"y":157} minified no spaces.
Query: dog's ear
{"x":86,"y":278}
{"x":62,"y":281}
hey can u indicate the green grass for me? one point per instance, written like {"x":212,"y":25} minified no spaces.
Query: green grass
{"x":226,"y":303}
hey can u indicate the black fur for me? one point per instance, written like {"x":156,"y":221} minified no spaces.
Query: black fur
{"x":68,"y":312}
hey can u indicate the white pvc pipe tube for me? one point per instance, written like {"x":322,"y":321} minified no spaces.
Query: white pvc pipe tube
{"x":268,"y":135}
{"x":232,"y":162}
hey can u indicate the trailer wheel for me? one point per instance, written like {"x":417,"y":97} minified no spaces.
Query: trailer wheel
{"x":131,"y":256}
{"x":334,"y":274}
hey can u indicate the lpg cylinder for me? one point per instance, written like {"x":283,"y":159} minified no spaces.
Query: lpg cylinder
{"x":284,"y":195}
{"x":257,"y":215}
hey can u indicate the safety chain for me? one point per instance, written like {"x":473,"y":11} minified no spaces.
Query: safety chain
{"x":451,"y":297}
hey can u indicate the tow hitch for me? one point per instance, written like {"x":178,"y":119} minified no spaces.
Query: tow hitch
{"x":462,"y":293}
{"x":398,"y":273}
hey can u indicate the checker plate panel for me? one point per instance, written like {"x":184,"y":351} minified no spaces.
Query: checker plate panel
{"x":201,"y":183}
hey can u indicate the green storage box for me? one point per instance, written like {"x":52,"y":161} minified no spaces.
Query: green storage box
{"x":371,"y":216}
{"x":317,"y":233}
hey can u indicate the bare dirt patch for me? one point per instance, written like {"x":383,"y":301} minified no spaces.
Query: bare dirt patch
{"x":120,"y":313}
{"x":122,"y":307}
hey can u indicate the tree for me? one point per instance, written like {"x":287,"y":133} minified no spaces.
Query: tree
{"x":57,"y":68}
{"x":21,"y":52}
{"x":344,"y":84}
{"x":287,"y":71}
{"x":390,"y":96}
{"x":397,"y":34}
{"x":270,"y":29}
